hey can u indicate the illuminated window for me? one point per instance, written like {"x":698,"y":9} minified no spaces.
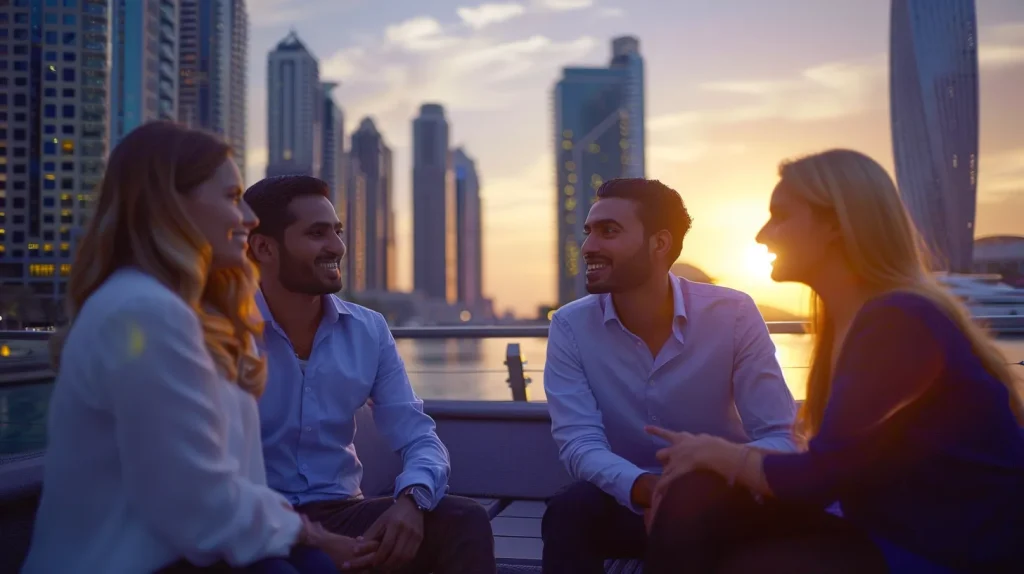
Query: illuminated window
{"x":570,"y":190}
{"x":624,"y":144}
{"x":33,"y":246}
{"x":50,"y":177}
{"x":41,"y":269}
{"x":594,"y":148}
{"x":570,"y":204}
{"x":287,"y":155}
{"x":572,"y":178}
{"x":65,"y":269}
{"x":566,"y":144}
{"x":47,"y":247}
{"x":570,"y":165}
{"x":68,"y":147}
{"x":567,"y":134}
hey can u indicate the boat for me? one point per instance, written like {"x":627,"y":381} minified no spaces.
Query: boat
{"x":985,"y":295}
{"x":502,"y":454}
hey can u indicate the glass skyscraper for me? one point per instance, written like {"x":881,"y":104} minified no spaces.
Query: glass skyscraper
{"x":599,"y":135}
{"x":933,"y":68}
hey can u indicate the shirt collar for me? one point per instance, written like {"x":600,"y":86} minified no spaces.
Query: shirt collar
{"x":334,"y":308}
{"x":678,"y":285}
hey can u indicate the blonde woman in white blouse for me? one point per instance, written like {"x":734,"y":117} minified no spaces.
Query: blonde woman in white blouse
{"x":154,"y":460}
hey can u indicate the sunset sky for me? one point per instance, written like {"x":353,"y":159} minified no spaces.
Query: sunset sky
{"x":732,"y":87}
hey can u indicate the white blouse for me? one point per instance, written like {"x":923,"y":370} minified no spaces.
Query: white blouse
{"x":152,"y":456}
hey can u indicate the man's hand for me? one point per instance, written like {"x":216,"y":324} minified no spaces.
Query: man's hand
{"x":348,"y":554}
{"x":399,"y":531}
{"x":643,"y":490}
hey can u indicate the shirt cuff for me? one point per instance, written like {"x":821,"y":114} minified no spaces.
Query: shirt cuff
{"x":420,"y":478}
{"x":623,"y":488}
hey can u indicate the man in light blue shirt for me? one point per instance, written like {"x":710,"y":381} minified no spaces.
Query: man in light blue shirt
{"x":646,"y":348}
{"x":325,"y":359}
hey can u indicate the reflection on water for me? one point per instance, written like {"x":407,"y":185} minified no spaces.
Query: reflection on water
{"x":461,"y":369}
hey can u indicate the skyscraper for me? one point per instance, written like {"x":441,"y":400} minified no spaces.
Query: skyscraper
{"x":144,"y":64}
{"x":294,"y":110}
{"x":433,"y":201}
{"x":53,"y":138}
{"x":469,"y":229}
{"x":599,"y":135}
{"x":332,"y":165}
{"x":213,"y":49}
{"x":371,"y":157}
{"x":933,"y":76}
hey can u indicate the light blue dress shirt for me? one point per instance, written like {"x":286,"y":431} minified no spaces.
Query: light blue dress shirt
{"x":308,"y":413}
{"x":717,"y":374}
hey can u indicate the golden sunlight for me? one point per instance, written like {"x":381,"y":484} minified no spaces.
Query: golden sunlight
{"x":757,"y":262}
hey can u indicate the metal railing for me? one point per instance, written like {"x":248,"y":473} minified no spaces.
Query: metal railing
{"x":12,"y":369}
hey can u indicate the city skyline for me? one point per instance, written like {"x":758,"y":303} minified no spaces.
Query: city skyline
{"x":751,"y":101}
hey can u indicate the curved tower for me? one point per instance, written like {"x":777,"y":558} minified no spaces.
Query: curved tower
{"x":933,"y":82}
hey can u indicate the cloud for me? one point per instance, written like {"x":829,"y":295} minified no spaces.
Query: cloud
{"x":826,"y":91}
{"x":419,"y":34}
{"x":479,"y":17}
{"x":563,"y":5}
{"x":265,"y":13}
{"x":611,"y":12}
{"x":1002,"y":45}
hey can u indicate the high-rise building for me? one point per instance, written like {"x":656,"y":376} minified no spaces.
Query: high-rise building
{"x":355,"y":232}
{"x":144,"y":64}
{"x":213,"y":60}
{"x":933,"y":76}
{"x":332,"y":165}
{"x":53,"y":139}
{"x":469,"y":229}
{"x":433,"y":200}
{"x":294,"y":110}
{"x":599,"y":135}
{"x":372,"y":159}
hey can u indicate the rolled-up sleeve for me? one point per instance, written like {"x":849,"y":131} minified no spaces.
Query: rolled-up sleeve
{"x":763,"y":400}
{"x":576,"y":421}
{"x":890,"y":358}
{"x":171,"y":433}
{"x":398,"y":414}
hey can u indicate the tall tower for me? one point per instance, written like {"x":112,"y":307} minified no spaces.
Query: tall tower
{"x":933,"y":82}
{"x":144,"y":64}
{"x":332,"y":165}
{"x":294,"y":110}
{"x":434,"y":237}
{"x":372,"y":157}
{"x":213,"y":51}
{"x":469,"y":229}
{"x":598,"y":135}
{"x":53,"y":141}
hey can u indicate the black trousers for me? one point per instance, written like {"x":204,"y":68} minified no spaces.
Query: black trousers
{"x":457,"y":537}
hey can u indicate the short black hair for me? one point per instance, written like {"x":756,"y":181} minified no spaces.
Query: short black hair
{"x":269,"y":199}
{"x":658,"y":206}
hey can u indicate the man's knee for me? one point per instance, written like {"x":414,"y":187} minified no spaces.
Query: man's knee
{"x":464,"y":515}
{"x":578,"y":504}
{"x":695,"y":497}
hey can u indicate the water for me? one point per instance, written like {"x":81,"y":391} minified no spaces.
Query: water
{"x":456,"y":369}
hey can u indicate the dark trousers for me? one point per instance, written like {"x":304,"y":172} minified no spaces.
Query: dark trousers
{"x":303,"y":560}
{"x":705,"y":525}
{"x":583,"y":526}
{"x":457,"y":536}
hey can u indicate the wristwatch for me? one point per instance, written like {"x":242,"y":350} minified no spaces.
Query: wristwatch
{"x":420,"y":496}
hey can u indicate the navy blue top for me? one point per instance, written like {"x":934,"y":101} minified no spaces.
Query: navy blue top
{"x":918,"y":442}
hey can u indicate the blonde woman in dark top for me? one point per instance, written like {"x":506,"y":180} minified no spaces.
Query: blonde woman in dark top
{"x":912,"y":413}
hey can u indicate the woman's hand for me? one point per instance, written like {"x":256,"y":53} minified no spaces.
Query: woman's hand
{"x":688,"y":452}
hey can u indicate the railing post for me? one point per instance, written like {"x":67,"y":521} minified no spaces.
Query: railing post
{"x":517,"y":378}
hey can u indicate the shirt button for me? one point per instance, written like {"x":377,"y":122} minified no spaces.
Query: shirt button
{"x":655,"y":419}
{"x":305,"y":466}
{"x":309,"y":429}
{"x":308,"y":389}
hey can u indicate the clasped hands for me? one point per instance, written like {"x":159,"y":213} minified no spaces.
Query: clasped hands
{"x":685,"y":452}
{"x":390,"y":543}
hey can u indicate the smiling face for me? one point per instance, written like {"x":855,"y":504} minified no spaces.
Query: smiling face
{"x":217,"y":210}
{"x":308,"y":257}
{"x":616,"y":249}
{"x":801,"y":236}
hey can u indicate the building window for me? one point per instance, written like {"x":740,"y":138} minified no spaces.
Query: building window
{"x":50,"y":148}
{"x":49,"y":129}
{"x":68,"y":148}
{"x":50,"y":92}
{"x":69,"y":92}
{"x":69,"y":57}
{"x":69,"y":110}
{"x":51,"y":18}
{"x":69,"y":38}
{"x":50,"y":110}
{"x":51,"y":57}
{"x":51,"y":37}
{"x":67,"y":129}
{"x":69,"y":19}
{"x":69,"y":74}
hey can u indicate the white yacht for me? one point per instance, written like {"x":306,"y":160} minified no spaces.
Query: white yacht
{"x":986,"y":295}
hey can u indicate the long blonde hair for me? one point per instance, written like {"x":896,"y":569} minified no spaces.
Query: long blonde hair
{"x":884,"y":249}
{"x":140,"y":221}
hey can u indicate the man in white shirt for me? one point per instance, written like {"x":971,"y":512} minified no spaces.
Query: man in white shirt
{"x":646,"y":348}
